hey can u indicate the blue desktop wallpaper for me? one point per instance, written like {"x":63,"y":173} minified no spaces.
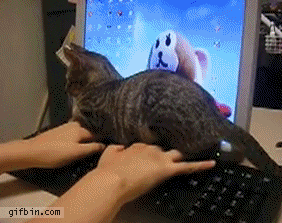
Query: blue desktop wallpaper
{"x":125,"y":30}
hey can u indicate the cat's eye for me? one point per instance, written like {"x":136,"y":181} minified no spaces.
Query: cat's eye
{"x":157,"y":44}
{"x":168,"y":40}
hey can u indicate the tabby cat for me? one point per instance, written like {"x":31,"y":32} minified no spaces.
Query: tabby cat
{"x":155,"y":107}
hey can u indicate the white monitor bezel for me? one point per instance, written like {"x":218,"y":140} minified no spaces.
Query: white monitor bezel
{"x":248,"y":60}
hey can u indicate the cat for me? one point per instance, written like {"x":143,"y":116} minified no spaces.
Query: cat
{"x":155,"y":107}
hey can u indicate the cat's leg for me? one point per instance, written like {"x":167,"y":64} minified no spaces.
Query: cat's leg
{"x":167,"y":133}
{"x":146,"y":135}
{"x":99,"y":123}
{"x":170,"y":133}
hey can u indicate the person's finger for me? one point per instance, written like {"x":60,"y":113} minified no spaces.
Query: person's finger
{"x":87,"y":149}
{"x":91,"y":147}
{"x":184,"y":167}
{"x":84,"y":134}
{"x":175,"y":155}
{"x":115,"y":148}
{"x":137,"y":147}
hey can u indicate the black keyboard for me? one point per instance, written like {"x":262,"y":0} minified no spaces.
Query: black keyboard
{"x":223,"y":194}
{"x":236,"y":194}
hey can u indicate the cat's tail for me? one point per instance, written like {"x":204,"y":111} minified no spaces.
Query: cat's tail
{"x":257,"y":155}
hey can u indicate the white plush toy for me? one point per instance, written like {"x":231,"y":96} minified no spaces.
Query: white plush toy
{"x":172,"y":51}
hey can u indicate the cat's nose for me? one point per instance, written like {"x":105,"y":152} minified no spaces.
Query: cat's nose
{"x":160,"y":54}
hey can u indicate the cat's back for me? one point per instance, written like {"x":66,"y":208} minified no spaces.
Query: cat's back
{"x":152,"y":107}
{"x":161,"y":83}
{"x":143,"y":93}
{"x":161,"y":99}
{"x":171,"y":91}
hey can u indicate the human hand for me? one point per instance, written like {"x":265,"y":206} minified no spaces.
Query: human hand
{"x":60,"y":145}
{"x":141,"y":167}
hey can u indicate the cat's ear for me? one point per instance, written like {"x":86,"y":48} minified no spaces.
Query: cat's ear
{"x":77,"y":48}
{"x":72,"y":56}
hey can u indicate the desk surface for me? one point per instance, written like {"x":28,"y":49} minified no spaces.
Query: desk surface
{"x":265,"y":127}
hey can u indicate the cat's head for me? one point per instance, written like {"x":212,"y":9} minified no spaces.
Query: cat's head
{"x":86,"y":67}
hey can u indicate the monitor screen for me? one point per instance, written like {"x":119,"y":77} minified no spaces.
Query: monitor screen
{"x":126,"y":30}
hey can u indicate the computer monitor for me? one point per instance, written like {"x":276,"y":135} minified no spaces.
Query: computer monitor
{"x":226,"y":32}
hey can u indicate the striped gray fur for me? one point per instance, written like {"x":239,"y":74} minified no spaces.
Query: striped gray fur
{"x":155,"y":107}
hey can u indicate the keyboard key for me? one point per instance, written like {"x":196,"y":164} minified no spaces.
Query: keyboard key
{"x":245,"y":219}
{"x":253,"y":204}
{"x":248,"y":176}
{"x":191,"y":213}
{"x":244,"y":186}
{"x":240,"y":195}
{"x":214,"y":188}
{"x":199,"y":204}
{"x":193,"y":183}
{"x":236,"y":204}
{"x":219,"y":201}
{"x":74,"y":175}
{"x":224,"y":190}
{"x":229,"y":172}
{"x":163,"y":197}
{"x":211,"y":188}
{"x":217,"y":179}
{"x":228,"y":183}
{"x":266,"y":180}
{"x":206,"y":195}
{"x":215,"y":209}
{"x":228,"y":213}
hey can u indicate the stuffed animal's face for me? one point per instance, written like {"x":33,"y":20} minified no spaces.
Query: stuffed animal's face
{"x":172,"y":51}
{"x":164,"y":55}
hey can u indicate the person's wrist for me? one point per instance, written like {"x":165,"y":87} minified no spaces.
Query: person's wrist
{"x":16,"y":155}
{"x":112,"y":183}
{"x":29,"y":153}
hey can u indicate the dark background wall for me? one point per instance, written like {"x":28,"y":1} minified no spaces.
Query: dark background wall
{"x":58,"y":17}
{"x":268,"y":82}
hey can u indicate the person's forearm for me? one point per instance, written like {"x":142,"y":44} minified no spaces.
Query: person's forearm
{"x":14,"y":156}
{"x":97,"y":197}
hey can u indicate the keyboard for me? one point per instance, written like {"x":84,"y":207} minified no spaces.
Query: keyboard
{"x":226,"y":193}
{"x":223,"y":194}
